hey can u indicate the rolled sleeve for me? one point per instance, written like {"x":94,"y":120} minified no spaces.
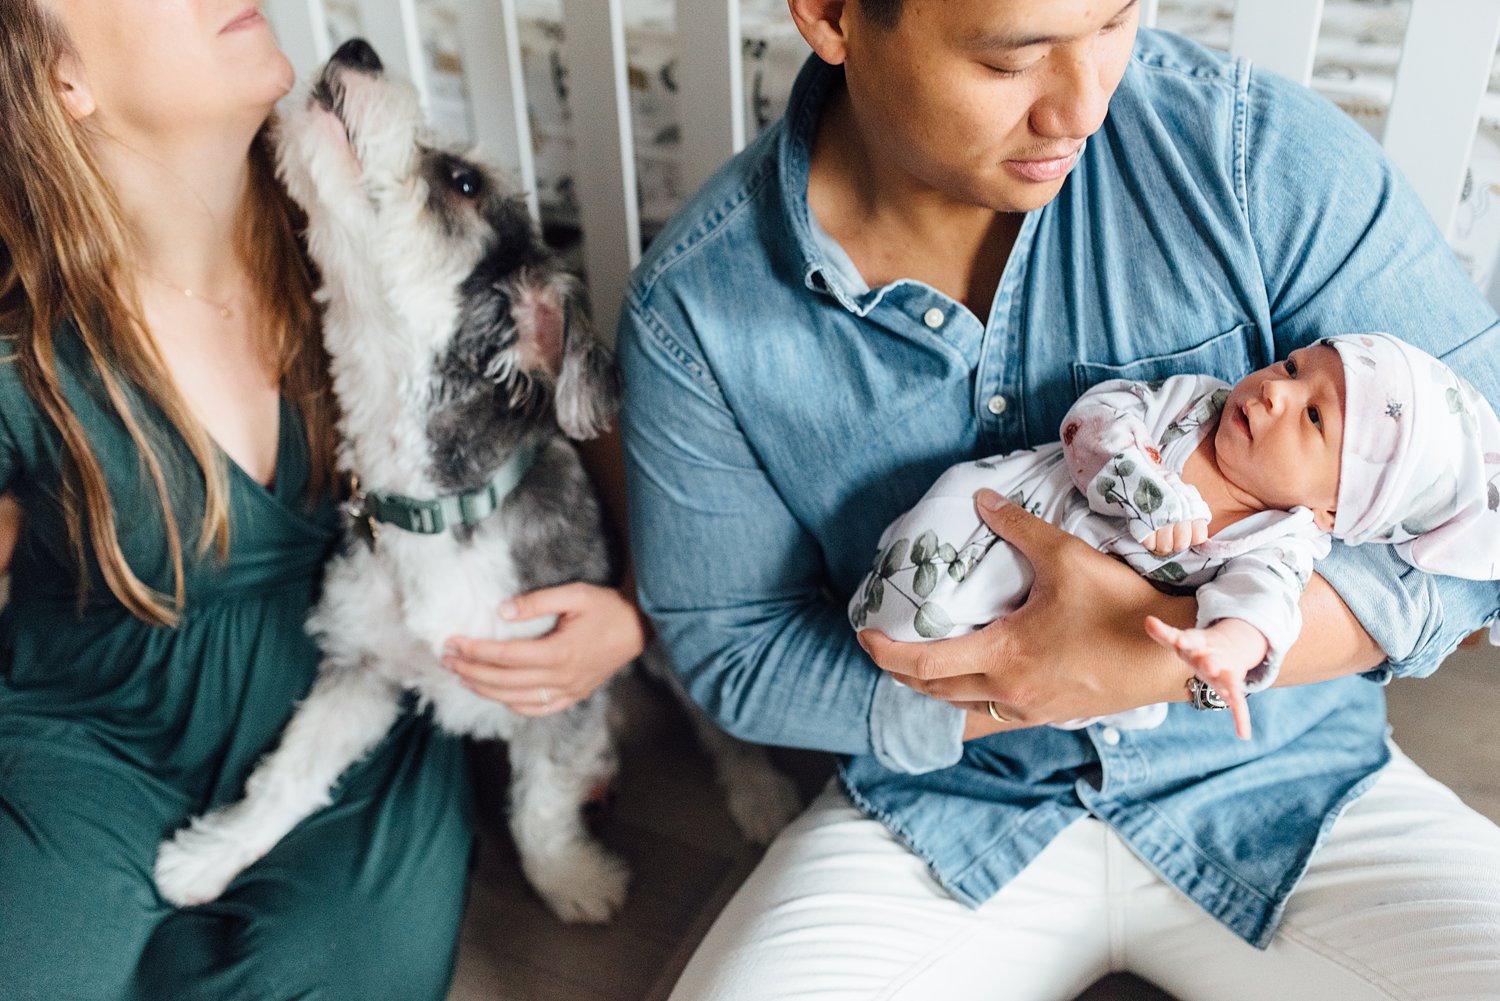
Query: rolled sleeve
{"x":1416,"y":618}
{"x":732,"y":581}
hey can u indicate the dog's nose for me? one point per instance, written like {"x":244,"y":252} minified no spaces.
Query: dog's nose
{"x":356,"y":53}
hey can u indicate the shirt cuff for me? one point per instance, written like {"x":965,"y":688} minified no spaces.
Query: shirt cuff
{"x":911,"y":732}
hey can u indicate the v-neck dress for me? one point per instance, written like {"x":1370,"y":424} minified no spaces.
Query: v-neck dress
{"x":113,"y":732}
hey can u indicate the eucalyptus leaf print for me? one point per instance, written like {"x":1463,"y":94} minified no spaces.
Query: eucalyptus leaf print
{"x":875,"y":595}
{"x":894,"y":557}
{"x":1148,"y":497}
{"x":932,"y":621}
{"x":1170,"y":573}
{"x":925,"y":580}
{"x":925,"y":547}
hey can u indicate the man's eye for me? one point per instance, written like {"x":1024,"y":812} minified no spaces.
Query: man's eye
{"x":1314,"y":416}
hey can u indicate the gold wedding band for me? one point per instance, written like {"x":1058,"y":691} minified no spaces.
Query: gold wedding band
{"x":995,"y":713}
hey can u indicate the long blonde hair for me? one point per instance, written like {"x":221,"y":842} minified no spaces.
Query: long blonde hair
{"x":65,"y":253}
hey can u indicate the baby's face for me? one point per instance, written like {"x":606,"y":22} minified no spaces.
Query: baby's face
{"x":1282,"y":432}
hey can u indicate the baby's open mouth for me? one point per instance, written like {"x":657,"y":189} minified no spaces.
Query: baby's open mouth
{"x":1242,"y":417}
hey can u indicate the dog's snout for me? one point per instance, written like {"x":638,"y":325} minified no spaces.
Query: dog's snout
{"x":358,"y":54}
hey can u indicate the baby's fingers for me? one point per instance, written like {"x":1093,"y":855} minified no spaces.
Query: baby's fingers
{"x":1233,"y":693}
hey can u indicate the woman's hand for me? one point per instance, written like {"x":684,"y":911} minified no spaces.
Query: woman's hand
{"x":598,"y":632}
{"x":1075,"y":648}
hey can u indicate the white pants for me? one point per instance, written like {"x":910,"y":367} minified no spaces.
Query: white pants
{"x":1401,"y":901}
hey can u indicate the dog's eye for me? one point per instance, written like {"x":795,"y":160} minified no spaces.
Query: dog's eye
{"x":465,"y":181}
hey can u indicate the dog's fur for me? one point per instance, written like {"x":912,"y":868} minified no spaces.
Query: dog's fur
{"x":453,"y":339}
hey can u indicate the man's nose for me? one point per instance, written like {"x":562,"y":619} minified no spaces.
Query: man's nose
{"x":1075,"y":100}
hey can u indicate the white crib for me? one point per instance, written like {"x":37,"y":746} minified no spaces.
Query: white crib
{"x":1445,"y":65}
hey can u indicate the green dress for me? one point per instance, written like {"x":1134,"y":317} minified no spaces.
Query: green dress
{"x":114,"y":732}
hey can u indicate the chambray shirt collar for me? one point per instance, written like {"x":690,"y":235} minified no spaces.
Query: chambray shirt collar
{"x":826,"y":267}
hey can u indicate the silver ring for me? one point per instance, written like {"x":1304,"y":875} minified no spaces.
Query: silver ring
{"x":995,"y":713}
{"x":546,"y":699}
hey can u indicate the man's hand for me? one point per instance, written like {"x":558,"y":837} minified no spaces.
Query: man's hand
{"x":1222,"y":655}
{"x":1176,"y":537}
{"x":1075,"y":648}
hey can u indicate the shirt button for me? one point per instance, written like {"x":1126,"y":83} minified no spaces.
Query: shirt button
{"x":997,"y":405}
{"x":1111,"y":736}
{"x":934,"y":318}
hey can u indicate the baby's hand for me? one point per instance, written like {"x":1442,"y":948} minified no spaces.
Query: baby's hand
{"x":1221,"y":655}
{"x":1176,"y":537}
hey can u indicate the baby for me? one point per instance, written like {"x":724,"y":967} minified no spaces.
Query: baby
{"x":1232,"y":491}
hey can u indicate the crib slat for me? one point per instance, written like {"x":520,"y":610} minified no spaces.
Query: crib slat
{"x":491,"y":51}
{"x":392,"y":27}
{"x":1280,"y":35}
{"x":1148,"y":13}
{"x":710,"y":87}
{"x":301,"y":30}
{"x":1440,"y":82}
{"x":604,"y":171}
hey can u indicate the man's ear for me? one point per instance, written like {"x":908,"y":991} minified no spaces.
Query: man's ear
{"x":73,"y":88}
{"x":822,"y":24}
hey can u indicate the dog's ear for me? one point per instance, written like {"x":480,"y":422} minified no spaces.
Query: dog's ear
{"x":557,"y":338}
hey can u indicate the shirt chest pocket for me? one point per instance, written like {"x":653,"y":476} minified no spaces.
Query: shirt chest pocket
{"x":1228,"y":356}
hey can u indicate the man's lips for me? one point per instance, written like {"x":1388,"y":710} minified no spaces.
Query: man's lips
{"x":248,"y":18}
{"x":1045,"y":168}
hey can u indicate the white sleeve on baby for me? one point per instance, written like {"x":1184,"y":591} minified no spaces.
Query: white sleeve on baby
{"x":1264,"y":588}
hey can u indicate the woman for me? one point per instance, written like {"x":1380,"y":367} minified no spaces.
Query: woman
{"x":166,"y":432}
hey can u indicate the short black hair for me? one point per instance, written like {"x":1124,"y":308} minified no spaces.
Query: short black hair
{"x":882,"y":13}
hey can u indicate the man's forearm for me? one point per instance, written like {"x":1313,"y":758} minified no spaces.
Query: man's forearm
{"x":1332,"y":643}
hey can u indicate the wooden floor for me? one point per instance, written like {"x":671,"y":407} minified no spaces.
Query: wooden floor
{"x":669,"y":821}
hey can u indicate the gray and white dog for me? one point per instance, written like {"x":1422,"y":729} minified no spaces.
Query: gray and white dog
{"x":462,"y":361}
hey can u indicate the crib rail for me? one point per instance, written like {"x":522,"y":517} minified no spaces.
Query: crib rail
{"x":1447,"y":54}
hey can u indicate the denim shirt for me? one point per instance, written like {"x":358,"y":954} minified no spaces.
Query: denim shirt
{"x":779,"y":414}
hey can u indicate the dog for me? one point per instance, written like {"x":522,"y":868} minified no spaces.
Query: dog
{"x":462,"y":358}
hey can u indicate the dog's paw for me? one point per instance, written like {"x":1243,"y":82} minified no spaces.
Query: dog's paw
{"x":761,"y":800}
{"x":586,"y":885}
{"x":198,"y":864}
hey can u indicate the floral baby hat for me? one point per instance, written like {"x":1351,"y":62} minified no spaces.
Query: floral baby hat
{"x":1421,"y":459}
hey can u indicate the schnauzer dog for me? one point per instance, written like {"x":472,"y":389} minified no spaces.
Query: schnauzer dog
{"x":462,"y":360}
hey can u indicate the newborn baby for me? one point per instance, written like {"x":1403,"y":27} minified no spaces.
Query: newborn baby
{"x":1232,"y":491}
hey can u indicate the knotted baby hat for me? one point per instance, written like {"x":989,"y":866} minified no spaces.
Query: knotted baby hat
{"x":1421,"y":459}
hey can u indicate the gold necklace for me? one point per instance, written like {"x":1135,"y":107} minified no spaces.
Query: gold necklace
{"x":225,"y":309}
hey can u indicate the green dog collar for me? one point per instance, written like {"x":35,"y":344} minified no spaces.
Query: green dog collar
{"x":432,"y":517}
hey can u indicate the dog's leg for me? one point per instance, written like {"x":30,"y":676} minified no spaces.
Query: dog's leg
{"x":346,"y":713}
{"x":761,"y":800}
{"x":555,"y":760}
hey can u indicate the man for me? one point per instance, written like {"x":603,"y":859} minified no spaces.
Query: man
{"x":972,"y":211}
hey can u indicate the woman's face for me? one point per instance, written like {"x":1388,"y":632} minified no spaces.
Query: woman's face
{"x":172,"y":68}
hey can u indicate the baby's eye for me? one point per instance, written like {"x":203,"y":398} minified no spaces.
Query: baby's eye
{"x":1315,"y":417}
{"x":1291,"y":368}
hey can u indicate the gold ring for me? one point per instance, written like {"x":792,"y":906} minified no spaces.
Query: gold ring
{"x":995,"y":713}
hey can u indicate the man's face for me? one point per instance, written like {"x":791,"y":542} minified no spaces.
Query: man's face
{"x":987,"y":102}
{"x":1281,"y":435}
